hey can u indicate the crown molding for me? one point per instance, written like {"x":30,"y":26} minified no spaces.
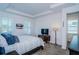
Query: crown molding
{"x":25,"y":14}
{"x":33,"y":16}
{"x":43,"y":13}
{"x":36,"y":15}
{"x":49,"y":11}
{"x":18,"y":12}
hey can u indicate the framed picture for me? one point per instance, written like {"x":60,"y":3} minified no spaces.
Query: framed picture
{"x":19,"y":26}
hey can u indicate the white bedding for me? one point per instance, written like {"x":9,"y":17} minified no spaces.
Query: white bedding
{"x":26,"y":44}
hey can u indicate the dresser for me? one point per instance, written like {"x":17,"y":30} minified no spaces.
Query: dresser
{"x":45,"y":38}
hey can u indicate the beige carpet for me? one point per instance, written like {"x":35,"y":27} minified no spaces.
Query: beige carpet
{"x":51,"y":49}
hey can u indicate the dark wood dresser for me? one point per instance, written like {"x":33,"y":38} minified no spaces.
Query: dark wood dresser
{"x":45,"y":38}
{"x":74,"y":46}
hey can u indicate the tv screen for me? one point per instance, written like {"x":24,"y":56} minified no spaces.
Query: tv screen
{"x":45,"y":31}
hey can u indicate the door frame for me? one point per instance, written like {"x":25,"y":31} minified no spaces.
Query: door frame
{"x":65,"y":11}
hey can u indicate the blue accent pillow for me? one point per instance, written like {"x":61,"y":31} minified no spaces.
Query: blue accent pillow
{"x":9,"y":38}
{"x":16,"y":38}
{"x":2,"y":50}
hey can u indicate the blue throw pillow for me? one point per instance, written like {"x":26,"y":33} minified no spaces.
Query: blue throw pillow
{"x":2,"y":50}
{"x":9,"y":38}
{"x":16,"y":38}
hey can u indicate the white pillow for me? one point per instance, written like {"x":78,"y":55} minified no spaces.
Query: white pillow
{"x":3,"y":42}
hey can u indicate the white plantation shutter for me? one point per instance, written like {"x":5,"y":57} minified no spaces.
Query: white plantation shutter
{"x":5,"y":24}
{"x":73,"y":26}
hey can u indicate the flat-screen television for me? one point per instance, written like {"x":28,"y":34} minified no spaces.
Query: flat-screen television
{"x":45,"y":31}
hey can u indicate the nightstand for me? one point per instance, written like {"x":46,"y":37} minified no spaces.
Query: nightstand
{"x":45,"y":38}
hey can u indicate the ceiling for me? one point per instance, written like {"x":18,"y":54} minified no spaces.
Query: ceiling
{"x":33,"y":9}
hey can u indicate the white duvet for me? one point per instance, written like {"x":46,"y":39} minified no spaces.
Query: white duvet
{"x":26,"y":44}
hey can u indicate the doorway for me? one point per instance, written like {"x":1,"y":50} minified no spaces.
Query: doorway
{"x":72,"y":26}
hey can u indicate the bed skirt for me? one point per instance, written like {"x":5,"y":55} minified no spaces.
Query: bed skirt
{"x":27,"y":53}
{"x":33,"y":51}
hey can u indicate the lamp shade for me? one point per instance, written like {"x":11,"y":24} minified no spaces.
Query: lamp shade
{"x":56,"y":26}
{"x":55,"y":29}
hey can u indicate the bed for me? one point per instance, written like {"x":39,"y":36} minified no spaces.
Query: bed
{"x":26,"y":45}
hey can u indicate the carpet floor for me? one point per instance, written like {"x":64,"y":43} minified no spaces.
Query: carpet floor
{"x":50,"y":49}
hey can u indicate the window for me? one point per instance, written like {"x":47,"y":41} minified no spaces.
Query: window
{"x":27,"y":27}
{"x":6,"y":24}
{"x":72,"y":26}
